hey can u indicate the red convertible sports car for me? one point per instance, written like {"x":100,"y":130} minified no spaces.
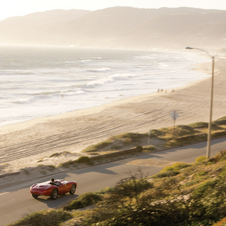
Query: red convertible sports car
{"x":53,"y":188}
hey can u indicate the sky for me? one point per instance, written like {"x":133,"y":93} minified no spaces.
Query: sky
{"x":10,"y":8}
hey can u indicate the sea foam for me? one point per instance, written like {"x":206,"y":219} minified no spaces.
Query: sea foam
{"x":46,"y":83}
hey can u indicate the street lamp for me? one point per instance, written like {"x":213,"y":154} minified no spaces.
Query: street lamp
{"x":211,"y":101}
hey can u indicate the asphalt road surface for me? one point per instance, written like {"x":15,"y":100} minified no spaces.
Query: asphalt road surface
{"x":16,"y":200}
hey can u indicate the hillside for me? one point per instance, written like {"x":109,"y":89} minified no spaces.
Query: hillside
{"x":181,"y":194}
{"x":118,"y":27}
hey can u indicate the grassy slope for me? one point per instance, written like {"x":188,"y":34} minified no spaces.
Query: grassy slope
{"x":182,"y":194}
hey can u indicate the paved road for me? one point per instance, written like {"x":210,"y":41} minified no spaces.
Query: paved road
{"x":16,"y":201}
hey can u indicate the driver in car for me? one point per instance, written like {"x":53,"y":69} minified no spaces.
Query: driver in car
{"x":53,"y":182}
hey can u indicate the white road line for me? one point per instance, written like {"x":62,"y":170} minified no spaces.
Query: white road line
{"x":4,"y":193}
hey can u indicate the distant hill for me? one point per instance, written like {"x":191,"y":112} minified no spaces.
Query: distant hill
{"x":118,"y":27}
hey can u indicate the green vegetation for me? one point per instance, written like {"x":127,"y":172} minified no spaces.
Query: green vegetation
{"x":199,"y":125}
{"x":201,"y":159}
{"x":175,"y":167}
{"x":54,"y":155}
{"x":177,"y":136}
{"x":181,"y":194}
{"x":191,"y":194}
{"x":172,"y":170}
{"x":149,"y":148}
{"x":166,"y":174}
{"x":97,"y":147}
{"x":221,"y":121}
{"x":59,"y":153}
{"x":117,"y":142}
{"x":84,"y":200}
{"x":83,"y":159}
{"x":44,"y":218}
{"x":67,"y":164}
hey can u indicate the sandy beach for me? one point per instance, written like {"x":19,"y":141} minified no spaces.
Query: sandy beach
{"x":23,"y":144}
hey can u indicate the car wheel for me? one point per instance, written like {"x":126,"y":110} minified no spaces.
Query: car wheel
{"x":35,"y":196}
{"x":54,"y":194}
{"x":73,"y":189}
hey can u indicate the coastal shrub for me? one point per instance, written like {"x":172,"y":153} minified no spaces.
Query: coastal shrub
{"x":165,"y":131}
{"x":204,"y":188}
{"x":59,"y":153}
{"x":84,"y":200}
{"x":129,"y":188}
{"x":106,"y":190}
{"x":171,"y":133}
{"x":126,"y":206}
{"x":202,"y":173}
{"x":199,"y":125}
{"x":221,"y":121}
{"x":221,"y":156}
{"x":215,"y":127}
{"x":175,"y":167}
{"x":44,"y":218}
{"x":67,"y":164}
{"x":156,"y":133}
{"x":97,"y":147}
{"x":209,"y":199}
{"x":54,"y":155}
{"x":130,"y":136}
{"x":123,"y":139}
{"x":200,"y":159}
{"x":149,"y":148}
{"x":182,"y":130}
{"x":205,"y":125}
{"x":218,"y":133}
{"x":183,"y":140}
{"x":166,"y":174}
{"x":83,"y":159}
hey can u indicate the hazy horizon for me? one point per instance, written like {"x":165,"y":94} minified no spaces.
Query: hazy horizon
{"x":14,"y":8}
{"x":118,"y":28}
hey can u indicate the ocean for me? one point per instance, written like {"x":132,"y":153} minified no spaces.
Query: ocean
{"x":41,"y":81}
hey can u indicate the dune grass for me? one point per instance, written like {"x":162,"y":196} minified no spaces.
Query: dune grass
{"x":44,"y":218}
{"x":177,"y":136}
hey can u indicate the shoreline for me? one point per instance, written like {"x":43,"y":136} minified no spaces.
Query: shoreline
{"x":201,"y":67}
{"x":177,"y":73}
{"x":23,"y":144}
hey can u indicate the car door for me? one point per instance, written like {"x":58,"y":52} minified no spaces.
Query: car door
{"x":63,"y":188}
